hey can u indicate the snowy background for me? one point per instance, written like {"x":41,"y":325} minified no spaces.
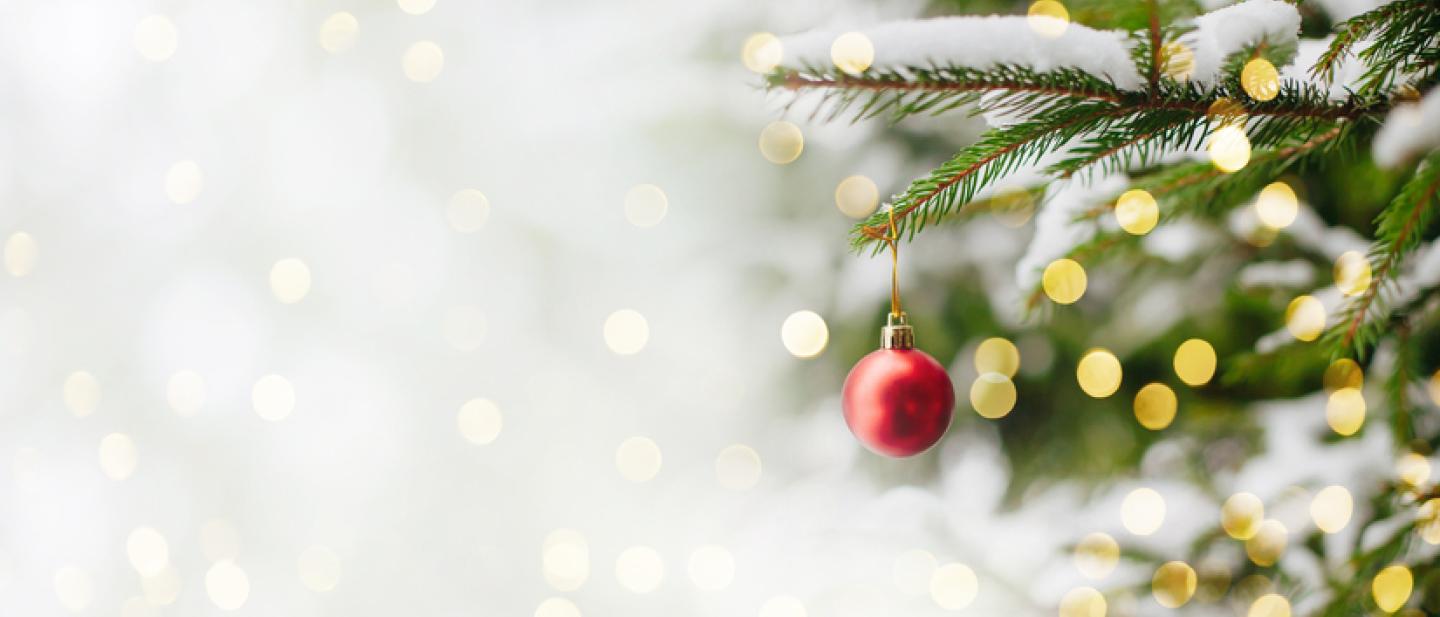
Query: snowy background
{"x":308,"y":314}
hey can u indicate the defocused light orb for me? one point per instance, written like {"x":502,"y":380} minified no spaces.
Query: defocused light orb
{"x":1241,"y":515}
{"x":1260,"y":80}
{"x":565,"y":559}
{"x":1413,"y":469}
{"x":640,"y":569}
{"x":992,"y":395}
{"x":416,"y":7}
{"x":1195,"y":362}
{"x":1435,"y":387}
{"x":82,"y":393}
{"x":1391,"y":587}
{"x":464,"y":327}
{"x":737,"y":467}
{"x":1427,"y":521}
{"x":337,"y":33}
{"x":1268,"y":543}
{"x":290,"y":280}
{"x":1277,"y":206}
{"x":1142,"y":512}
{"x":953,"y":586}
{"x":804,"y":334}
{"x":163,"y":589}
{"x":557,"y":607}
{"x":148,"y":551}
{"x":73,"y":587}
{"x":1305,"y":318}
{"x":783,"y":606}
{"x":1229,"y":148}
{"x":117,"y":456}
{"x":1269,"y":605}
{"x":186,"y":393}
{"x":138,"y":606}
{"x":1177,"y":60}
{"x":712,"y":568}
{"x":645,"y":205}
{"x":184,"y":182}
{"x":1012,"y":207}
{"x":423,"y":62}
{"x":1331,"y":508}
{"x":912,"y":571}
{"x":21,"y":254}
{"x":1343,"y":373}
{"x":781,"y":142}
{"x":997,"y":355}
{"x":155,"y":38}
{"x":319,"y":568}
{"x":1064,"y":281}
{"x":1155,"y":406}
{"x":479,"y":421}
{"x":1096,"y":555}
{"x":219,"y":541}
{"x":852,"y":52}
{"x":467,"y":210}
{"x":227,"y":585}
{"x":1352,"y":273}
{"x":1173,"y":584}
{"x":1082,"y":602}
{"x":1226,"y":111}
{"x":1345,"y":411}
{"x":1137,"y":212}
{"x":1099,"y":373}
{"x":857,"y":197}
{"x":762,"y":52}
{"x":1214,"y":580}
{"x":626,"y":332}
{"x":1048,"y":18}
{"x":273,"y":398}
{"x":638,"y":459}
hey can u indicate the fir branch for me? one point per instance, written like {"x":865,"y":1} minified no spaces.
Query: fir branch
{"x":1401,"y":33}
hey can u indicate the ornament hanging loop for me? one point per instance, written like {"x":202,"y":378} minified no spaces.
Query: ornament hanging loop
{"x":897,"y":333}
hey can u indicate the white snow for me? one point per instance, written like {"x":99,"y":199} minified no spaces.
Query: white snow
{"x":1411,"y":129}
{"x":1056,"y":228}
{"x":1226,"y":31}
{"x":980,"y":43}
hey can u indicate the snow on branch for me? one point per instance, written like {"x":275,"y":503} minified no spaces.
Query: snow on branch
{"x":1230,"y":30}
{"x":1410,"y":130}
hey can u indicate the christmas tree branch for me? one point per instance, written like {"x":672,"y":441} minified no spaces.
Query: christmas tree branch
{"x":1400,"y":33}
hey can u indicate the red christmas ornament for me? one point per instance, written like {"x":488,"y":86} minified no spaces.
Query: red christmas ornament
{"x":898,"y":400}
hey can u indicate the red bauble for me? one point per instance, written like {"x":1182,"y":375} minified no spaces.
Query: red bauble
{"x":898,"y":402}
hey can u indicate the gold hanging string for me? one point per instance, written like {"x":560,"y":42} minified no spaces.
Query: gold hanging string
{"x":892,"y":239}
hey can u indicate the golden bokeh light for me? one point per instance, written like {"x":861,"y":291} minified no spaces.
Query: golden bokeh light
{"x":81,"y":393}
{"x":74,"y":588}
{"x":337,"y":32}
{"x":1277,"y":206}
{"x":1173,"y":584}
{"x":186,"y":393}
{"x":467,"y":210}
{"x":1260,"y":80}
{"x":1345,"y":411}
{"x":638,"y":459}
{"x":565,"y":559}
{"x":1269,"y":605}
{"x":804,"y":334}
{"x":781,"y":142}
{"x":479,"y":421}
{"x":1142,"y":512}
{"x":1083,"y":602}
{"x":1427,"y":521}
{"x":912,"y":571}
{"x":711,"y":568}
{"x":1195,"y":362}
{"x":227,"y":585}
{"x":1343,"y":373}
{"x":1177,"y":60}
{"x":184,"y":182}
{"x":1331,"y":508}
{"x":640,"y":569}
{"x":1155,"y":406}
{"x":22,"y":252}
{"x":1048,"y":18}
{"x":1268,"y":543}
{"x":857,"y":197}
{"x":1413,"y":469}
{"x":290,"y":280}
{"x":117,"y":456}
{"x":1305,"y":318}
{"x":273,"y":398}
{"x":416,"y":7}
{"x":953,"y":586}
{"x":1391,"y":587}
{"x":646,"y":205}
{"x":155,"y":38}
{"x":762,"y":52}
{"x":1225,"y":111}
{"x":852,"y":52}
{"x":1434,"y":387}
{"x":1137,"y":212}
{"x":1064,"y":281}
{"x":319,"y":568}
{"x":1099,"y":373}
{"x":1096,"y":555}
{"x":1229,"y":148}
{"x":1012,"y":207}
{"x":423,"y":62}
{"x":992,"y":395}
{"x":147,"y":550}
{"x":1214,"y":580}
{"x":557,"y":607}
{"x":783,"y":606}
{"x":997,"y":355}
{"x":626,"y":332}
{"x":737,"y":467}
{"x":1352,"y":273}
{"x":1241,"y":514}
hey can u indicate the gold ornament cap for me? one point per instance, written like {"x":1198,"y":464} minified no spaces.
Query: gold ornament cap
{"x":897,"y":333}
